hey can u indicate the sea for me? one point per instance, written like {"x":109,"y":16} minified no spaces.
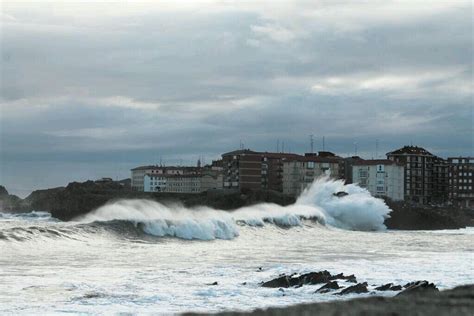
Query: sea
{"x":143,"y":257}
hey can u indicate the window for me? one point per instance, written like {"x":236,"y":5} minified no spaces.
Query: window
{"x":310,"y":165}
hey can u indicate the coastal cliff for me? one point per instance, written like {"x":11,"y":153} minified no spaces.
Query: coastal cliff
{"x":66,"y":203}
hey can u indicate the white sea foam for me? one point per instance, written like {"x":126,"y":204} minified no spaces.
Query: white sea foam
{"x":356,"y":211}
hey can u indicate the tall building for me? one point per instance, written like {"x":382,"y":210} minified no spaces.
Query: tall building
{"x":461,"y":181}
{"x":250,"y":170}
{"x":381,"y":177}
{"x":299,"y":172}
{"x":425,"y":175}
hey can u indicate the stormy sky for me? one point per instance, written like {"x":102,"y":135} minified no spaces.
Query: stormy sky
{"x":91,"y":89}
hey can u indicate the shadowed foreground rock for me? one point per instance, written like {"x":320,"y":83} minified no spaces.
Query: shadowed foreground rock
{"x":458,"y":301}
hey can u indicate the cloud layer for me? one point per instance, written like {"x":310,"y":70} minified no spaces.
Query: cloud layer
{"x":102,"y":84}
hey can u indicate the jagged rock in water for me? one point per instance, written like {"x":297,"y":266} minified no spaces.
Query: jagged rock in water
{"x":308,"y":278}
{"x":349,"y":278}
{"x":418,"y":287}
{"x":340,"y":194}
{"x":299,"y":280}
{"x":358,"y":288}
{"x":283,"y":281}
{"x":328,"y":287}
{"x":389,"y":287}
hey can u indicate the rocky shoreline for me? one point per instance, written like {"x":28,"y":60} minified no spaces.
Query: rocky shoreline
{"x":413,"y":298}
{"x":66,"y":203}
{"x":458,"y":301}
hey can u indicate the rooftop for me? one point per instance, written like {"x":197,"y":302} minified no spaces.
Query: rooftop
{"x":411,"y":150}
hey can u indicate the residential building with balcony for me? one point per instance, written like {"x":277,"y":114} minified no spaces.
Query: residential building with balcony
{"x":381,"y":177}
{"x":425,"y":175}
{"x":299,"y":172}
{"x":250,"y":170}
{"x":461,"y":181}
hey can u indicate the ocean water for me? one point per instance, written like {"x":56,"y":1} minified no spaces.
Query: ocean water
{"x":138,"y":256}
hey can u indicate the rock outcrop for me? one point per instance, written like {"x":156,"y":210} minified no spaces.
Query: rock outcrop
{"x":415,"y":288}
{"x":410,"y":217}
{"x":285,"y":281}
{"x":10,"y":202}
{"x":458,"y":301}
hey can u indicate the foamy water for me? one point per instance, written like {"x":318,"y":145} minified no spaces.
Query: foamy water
{"x":139,"y":256}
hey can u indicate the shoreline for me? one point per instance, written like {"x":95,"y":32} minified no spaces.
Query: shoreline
{"x":457,"y":301}
{"x":76,"y":199}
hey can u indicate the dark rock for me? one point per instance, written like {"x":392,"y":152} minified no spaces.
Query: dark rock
{"x":418,"y":287}
{"x":396,"y":288}
{"x":284,"y":281}
{"x":10,"y":203}
{"x":458,"y":301}
{"x":307,"y":279}
{"x":385,"y":287}
{"x":3,"y":191}
{"x":315,"y":277}
{"x":358,"y":288}
{"x":349,"y":278}
{"x":389,"y":287}
{"x":213,"y":283}
{"x":340,"y":194}
{"x":412,"y":217}
{"x":328,"y":287}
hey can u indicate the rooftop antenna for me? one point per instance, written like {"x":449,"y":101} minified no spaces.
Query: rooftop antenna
{"x":278,"y":145}
{"x":311,"y":140}
{"x":376,"y":149}
{"x":282,"y":147}
{"x":324,"y":143}
{"x":355,"y":148}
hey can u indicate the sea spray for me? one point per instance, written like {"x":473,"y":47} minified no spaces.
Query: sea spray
{"x":168,"y":220}
{"x":356,"y":211}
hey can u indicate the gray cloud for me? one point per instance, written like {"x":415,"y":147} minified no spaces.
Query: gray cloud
{"x":100,"y":85}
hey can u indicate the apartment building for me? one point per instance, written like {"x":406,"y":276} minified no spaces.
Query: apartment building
{"x":425,"y":175}
{"x":461,"y":181}
{"x":381,"y":177}
{"x":138,"y":175}
{"x":299,"y":172}
{"x":250,"y":170}
{"x":177,"y":179}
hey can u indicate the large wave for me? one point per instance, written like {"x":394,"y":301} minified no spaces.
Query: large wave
{"x":357,"y":210}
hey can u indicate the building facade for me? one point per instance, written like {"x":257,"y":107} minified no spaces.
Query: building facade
{"x":425,"y":175}
{"x":177,"y":179}
{"x":461,"y":181}
{"x":250,"y":170}
{"x":382,"y":178}
{"x":300,"y":172}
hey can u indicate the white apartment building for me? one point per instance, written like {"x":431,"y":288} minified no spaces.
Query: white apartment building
{"x":177,"y":179}
{"x":382,"y":178}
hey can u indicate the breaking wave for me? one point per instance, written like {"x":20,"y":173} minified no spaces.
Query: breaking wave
{"x":356,"y":210}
